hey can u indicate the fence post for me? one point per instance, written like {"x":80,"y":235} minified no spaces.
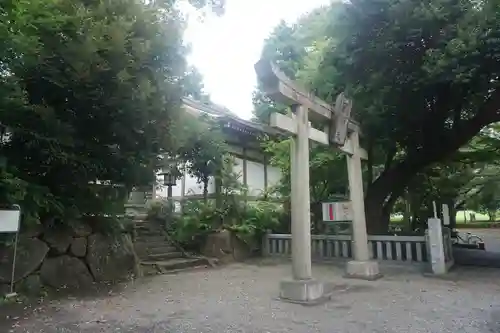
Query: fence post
{"x":265,"y":243}
{"x":436,"y":253}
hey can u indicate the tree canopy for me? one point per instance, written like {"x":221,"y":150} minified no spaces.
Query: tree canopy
{"x":423,"y":77}
{"x":89,"y":90}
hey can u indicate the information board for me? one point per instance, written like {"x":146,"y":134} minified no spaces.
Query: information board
{"x":9,"y":220}
{"x":337,"y":211}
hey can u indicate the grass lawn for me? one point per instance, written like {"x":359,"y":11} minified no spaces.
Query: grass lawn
{"x":460,"y":217}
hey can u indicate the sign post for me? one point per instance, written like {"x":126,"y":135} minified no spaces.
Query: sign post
{"x":340,"y":215}
{"x":10,"y":223}
{"x":337,"y":211}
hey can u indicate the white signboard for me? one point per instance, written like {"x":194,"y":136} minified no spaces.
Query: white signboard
{"x":337,"y":211}
{"x":9,"y":220}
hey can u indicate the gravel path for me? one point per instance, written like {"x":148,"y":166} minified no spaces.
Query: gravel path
{"x":240,"y":298}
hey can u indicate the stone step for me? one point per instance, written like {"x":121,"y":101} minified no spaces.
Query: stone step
{"x":150,"y":239}
{"x":150,"y":232}
{"x":163,"y":256}
{"x":161,"y":249}
{"x":143,"y":249}
{"x":164,"y":266}
{"x":146,"y":225}
{"x":138,"y":218}
{"x":153,"y":244}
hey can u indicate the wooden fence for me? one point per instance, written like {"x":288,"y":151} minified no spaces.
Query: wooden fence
{"x":324,"y":247}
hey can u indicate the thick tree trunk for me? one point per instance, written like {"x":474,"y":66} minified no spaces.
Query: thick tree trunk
{"x":205,"y":191}
{"x":453,"y":214}
{"x":317,"y":218}
{"x":438,"y":144}
{"x":491,"y":216}
{"x":382,"y":194}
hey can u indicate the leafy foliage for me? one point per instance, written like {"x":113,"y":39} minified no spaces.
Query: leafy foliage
{"x":89,"y":90}
{"x":161,"y":211}
{"x":423,"y":77}
{"x":297,"y":49}
{"x":440,"y":50}
{"x":323,"y":162}
{"x":229,"y":211}
{"x":193,"y":85}
{"x":486,"y":199}
{"x":201,"y":147}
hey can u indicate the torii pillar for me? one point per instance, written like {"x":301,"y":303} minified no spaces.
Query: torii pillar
{"x":361,"y":267}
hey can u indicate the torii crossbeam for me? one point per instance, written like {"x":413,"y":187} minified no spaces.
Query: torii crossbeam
{"x":343,"y":134}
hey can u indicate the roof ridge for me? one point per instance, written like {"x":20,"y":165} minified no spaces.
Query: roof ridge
{"x":208,"y":107}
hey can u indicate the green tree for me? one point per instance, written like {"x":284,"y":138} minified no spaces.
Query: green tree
{"x":404,"y":63}
{"x":202,"y":148}
{"x":297,"y":49}
{"x":194,"y":87}
{"x":323,"y":162}
{"x":89,"y":90}
{"x":487,"y":199}
{"x":424,"y":80}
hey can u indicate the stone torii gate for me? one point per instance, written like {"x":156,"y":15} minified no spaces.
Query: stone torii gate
{"x":343,"y":134}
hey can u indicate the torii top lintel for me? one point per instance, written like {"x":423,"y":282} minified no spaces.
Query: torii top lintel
{"x":284,"y":90}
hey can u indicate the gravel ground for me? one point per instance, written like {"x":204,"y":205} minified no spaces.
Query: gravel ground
{"x":241,"y":298}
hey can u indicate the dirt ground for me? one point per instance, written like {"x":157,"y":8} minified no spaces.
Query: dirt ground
{"x":242,"y":298}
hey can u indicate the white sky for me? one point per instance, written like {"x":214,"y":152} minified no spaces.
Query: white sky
{"x":224,"y":49}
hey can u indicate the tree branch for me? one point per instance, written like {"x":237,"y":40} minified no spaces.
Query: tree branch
{"x":462,"y":201}
{"x":392,"y":199}
{"x":440,"y":145}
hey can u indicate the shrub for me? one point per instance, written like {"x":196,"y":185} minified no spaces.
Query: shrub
{"x":229,"y":211}
{"x":161,"y":211}
{"x":248,"y":220}
{"x":256,"y":219}
{"x":196,"y":221}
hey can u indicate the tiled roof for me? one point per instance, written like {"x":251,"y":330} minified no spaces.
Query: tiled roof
{"x":231,"y":120}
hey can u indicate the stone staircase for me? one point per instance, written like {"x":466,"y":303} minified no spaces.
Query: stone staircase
{"x":157,"y":254}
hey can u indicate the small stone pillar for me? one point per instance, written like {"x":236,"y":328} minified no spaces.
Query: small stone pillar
{"x":435,"y":247}
{"x":446,"y":215}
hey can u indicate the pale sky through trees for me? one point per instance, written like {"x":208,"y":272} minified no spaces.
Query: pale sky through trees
{"x":225,"y":48}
